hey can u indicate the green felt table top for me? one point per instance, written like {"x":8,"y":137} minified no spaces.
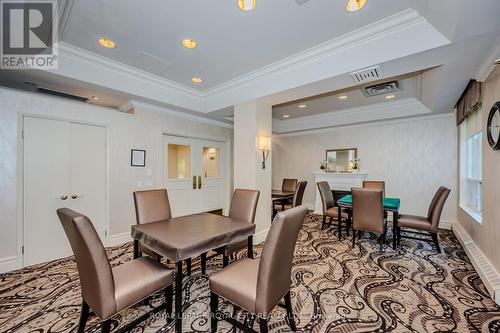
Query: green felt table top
{"x":389,"y":203}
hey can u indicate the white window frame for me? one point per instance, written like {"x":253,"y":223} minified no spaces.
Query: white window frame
{"x":466,"y":182}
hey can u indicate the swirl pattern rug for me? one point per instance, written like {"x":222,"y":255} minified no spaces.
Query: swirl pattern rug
{"x":334,"y":289}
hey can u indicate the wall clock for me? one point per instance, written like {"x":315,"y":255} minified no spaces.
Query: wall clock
{"x":494,"y":126}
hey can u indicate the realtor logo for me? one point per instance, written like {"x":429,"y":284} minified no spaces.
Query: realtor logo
{"x":29,"y":32}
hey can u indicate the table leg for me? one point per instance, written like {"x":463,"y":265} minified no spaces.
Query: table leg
{"x":250,"y":247}
{"x":394,"y":230}
{"x":203,"y":263}
{"x":339,"y":222}
{"x":136,"y":249}
{"x":178,"y":298}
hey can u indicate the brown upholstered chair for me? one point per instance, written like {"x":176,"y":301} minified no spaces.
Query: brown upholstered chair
{"x":430,"y":224}
{"x":243,"y":207}
{"x":289,"y":184}
{"x":257,"y":285}
{"x":151,"y":206}
{"x":297,"y":198}
{"x":368,"y":213}
{"x":107,"y":290}
{"x":375,"y":185}
{"x":329,"y":209}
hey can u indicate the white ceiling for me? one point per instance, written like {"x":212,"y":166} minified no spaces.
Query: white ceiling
{"x":231,"y":42}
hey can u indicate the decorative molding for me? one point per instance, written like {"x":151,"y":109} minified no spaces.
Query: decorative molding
{"x":118,"y":239}
{"x":367,"y":124}
{"x":488,"y":64}
{"x":178,"y":114}
{"x":8,"y":264}
{"x":369,"y":113}
{"x":484,"y":268}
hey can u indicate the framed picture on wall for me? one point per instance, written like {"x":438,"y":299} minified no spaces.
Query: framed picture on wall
{"x":138,"y":158}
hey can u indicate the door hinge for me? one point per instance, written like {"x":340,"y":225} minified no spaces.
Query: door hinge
{"x":22,"y":249}
{"x":22,"y":134}
{"x":106,"y":233}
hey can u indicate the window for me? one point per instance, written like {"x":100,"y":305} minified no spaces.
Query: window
{"x":471,"y":177}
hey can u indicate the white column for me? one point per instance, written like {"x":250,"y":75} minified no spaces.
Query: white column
{"x":253,"y":119}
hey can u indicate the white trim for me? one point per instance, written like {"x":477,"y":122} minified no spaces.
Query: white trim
{"x":488,"y":65}
{"x":368,"y":124}
{"x":447,"y":224}
{"x":260,"y":237}
{"x":473,"y":215}
{"x":8,"y":264}
{"x":118,"y":239}
{"x":407,"y":107}
{"x":172,"y":113}
{"x":488,"y":274}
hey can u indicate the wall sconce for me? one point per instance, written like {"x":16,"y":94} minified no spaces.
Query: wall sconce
{"x":264,"y":144}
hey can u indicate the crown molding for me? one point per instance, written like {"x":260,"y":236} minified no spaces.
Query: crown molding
{"x":488,"y":65}
{"x":368,"y":124}
{"x":407,"y":107}
{"x":149,"y":107}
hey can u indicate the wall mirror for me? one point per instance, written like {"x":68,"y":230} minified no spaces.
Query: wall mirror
{"x":341,"y":160}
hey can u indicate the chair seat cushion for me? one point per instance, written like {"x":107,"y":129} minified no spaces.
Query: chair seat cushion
{"x":232,"y":248}
{"x":137,"y":279}
{"x":334,"y":213}
{"x":414,"y":222}
{"x":237,"y":283}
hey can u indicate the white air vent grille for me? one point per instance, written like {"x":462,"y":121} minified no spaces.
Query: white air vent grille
{"x":301,"y":2}
{"x":380,"y":89}
{"x":367,"y":74}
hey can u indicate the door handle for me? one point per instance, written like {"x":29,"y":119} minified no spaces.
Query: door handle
{"x":199,"y":182}
{"x":63,"y":197}
{"x":194,"y":182}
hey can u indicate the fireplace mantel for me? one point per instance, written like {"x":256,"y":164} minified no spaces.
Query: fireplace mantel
{"x":339,"y":182}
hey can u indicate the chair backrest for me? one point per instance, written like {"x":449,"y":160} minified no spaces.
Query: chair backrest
{"x":275,"y":267}
{"x":299,"y":194}
{"x":326,"y":196}
{"x":375,"y":185}
{"x":152,"y":206}
{"x":244,"y":205}
{"x":436,"y":207}
{"x":289,"y":184}
{"x":367,"y":210}
{"x":96,"y":276}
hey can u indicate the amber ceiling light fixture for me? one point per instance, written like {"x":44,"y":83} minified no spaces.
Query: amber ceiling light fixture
{"x":246,"y":5}
{"x":354,"y":5}
{"x":189,"y":43}
{"x":197,"y":79}
{"x":107,"y":43}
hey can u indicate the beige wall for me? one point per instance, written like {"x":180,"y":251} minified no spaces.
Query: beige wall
{"x":487,"y":235}
{"x":414,"y":157}
{"x":142,"y":130}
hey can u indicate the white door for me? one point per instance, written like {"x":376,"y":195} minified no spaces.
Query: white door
{"x":195,"y":174}
{"x":64,"y":166}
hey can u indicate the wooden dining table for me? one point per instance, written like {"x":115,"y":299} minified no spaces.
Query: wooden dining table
{"x":390,"y":205}
{"x":187,"y":237}
{"x":279,"y":194}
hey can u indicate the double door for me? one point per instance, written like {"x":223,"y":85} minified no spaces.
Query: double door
{"x":195,"y":174}
{"x":64,"y":165}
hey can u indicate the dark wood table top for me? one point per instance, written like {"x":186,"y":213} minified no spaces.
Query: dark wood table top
{"x":282,"y":194}
{"x":189,"y":236}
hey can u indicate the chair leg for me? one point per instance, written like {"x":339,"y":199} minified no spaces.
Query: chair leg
{"x":347,"y":226}
{"x":214,"y":307}
{"x":339,"y":228}
{"x":169,"y":297}
{"x":324,"y":222}
{"x":398,"y":231}
{"x":289,"y":311}
{"x":106,"y":326}
{"x":225,"y":261}
{"x":436,"y":242}
{"x":203,"y":263}
{"x":354,"y":238}
{"x":83,"y":317}
{"x":188,"y":265}
{"x":382,"y":241}
{"x":263,"y":325}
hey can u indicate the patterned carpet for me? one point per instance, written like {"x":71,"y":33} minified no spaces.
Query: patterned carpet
{"x":335,"y":289}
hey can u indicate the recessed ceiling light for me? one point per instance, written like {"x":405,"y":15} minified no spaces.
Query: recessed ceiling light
{"x":189,"y":43}
{"x":95,"y":98}
{"x":390,"y":96}
{"x":343,"y":97}
{"x":354,"y":5}
{"x":302,"y":106}
{"x":246,"y":5}
{"x":497,"y":62}
{"x":196,"y":79}
{"x":107,"y":43}
{"x":286,"y":116}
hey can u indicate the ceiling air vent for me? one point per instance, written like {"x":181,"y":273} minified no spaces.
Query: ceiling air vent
{"x":61,"y":94}
{"x":367,"y":74}
{"x":301,"y":2}
{"x":380,"y":89}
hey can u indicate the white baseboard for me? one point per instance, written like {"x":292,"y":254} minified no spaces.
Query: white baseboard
{"x":8,"y":264}
{"x":260,"y":237}
{"x":118,"y":239}
{"x":484,"y":268}
{"x":446,"y":224}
